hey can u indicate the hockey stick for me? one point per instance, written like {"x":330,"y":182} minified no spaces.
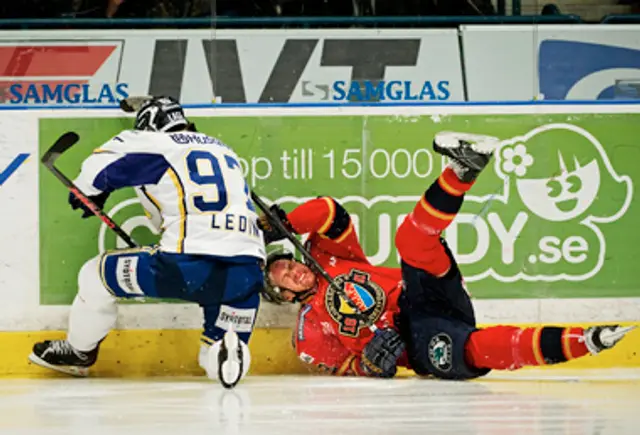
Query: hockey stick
{"x":49,"y":158}
{"x":275,"y":220}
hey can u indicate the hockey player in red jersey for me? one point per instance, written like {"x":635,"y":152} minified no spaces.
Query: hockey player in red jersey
{"x":422,"y":311}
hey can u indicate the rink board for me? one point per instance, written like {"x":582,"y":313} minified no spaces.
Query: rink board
{"x":525,"y":261}
{"x":536,"y":228}
{"x":142,"y":353}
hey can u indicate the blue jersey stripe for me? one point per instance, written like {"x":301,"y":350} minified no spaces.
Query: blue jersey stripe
{"x":134,"y":169}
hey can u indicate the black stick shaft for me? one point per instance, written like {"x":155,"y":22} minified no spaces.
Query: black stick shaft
{"x":49,"y":162}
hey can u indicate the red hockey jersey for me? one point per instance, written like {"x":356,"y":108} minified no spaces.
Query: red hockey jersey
{"x":328,"y":334}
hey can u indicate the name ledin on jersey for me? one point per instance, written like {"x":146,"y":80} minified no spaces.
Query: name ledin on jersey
{"x":233,"y":222}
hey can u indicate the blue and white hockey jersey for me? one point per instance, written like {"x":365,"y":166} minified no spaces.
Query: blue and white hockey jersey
{"x":191,"y":185}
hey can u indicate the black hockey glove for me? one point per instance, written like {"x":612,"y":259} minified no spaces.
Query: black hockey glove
{"x":98,"y":200}
{"x":380,"y":356}
{"x":271,"y":232}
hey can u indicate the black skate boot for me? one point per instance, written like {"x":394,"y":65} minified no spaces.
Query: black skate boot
{"x":469,"y":153}
{"x":59,"y":355}
{"x":599,"y":338}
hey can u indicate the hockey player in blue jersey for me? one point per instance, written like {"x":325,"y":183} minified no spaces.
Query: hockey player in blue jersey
{"x":211,"y":250}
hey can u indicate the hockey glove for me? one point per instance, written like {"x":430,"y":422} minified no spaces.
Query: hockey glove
{"x":271,"y":232}
{"x":380,"y":356}
{"x":98,"y":200}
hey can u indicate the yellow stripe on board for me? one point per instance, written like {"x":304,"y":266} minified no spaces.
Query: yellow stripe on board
{"x":181,"y":208}
{"x":140,"y":353}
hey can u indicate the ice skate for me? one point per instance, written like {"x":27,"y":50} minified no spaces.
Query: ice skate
{"x":59,"y":355}
{"x":599,"y":338}
{"x":469,"y":153}
{"x":231,"y":360}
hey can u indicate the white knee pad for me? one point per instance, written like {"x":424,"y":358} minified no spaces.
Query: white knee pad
{"x":90,"y":286}
{"x":232,"y":368}
{"x":93,"y":312}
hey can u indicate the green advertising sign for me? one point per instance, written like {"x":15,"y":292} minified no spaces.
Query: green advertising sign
{"x":553,"y":216}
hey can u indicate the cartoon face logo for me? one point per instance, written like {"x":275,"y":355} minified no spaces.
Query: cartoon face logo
{"x":542,"y":222}
{"x":562,"y":197}
{"x":556,"y":172}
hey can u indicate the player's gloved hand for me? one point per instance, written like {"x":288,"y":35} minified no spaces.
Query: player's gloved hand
{"x":271,"y":232}
{"x":380,"y":356}
{"x":98,"y":200}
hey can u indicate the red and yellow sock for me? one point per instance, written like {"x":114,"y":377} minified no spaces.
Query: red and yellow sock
{"x":441,"y":201}
{"x":418,"y":238}
{"x":510,"y":347}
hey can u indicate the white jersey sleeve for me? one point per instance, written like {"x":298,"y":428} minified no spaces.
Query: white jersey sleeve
{"x":190,"y":184}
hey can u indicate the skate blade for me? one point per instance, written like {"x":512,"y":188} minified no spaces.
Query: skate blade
{"x":80,"y":372}
{"x":620,"y":333}
{"x":230,"y":370}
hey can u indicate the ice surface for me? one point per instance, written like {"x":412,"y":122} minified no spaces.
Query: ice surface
{"x":528,"y":402}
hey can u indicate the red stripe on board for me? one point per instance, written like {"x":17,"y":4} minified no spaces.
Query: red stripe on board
{"x":51,"y":60}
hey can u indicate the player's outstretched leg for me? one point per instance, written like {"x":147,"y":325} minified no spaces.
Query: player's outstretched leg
{"x":469,"y":153}
{"x":226,"y":360}
{"x":93,"y":313}
{"x":418,"y":238}
{"x":510,"y":347}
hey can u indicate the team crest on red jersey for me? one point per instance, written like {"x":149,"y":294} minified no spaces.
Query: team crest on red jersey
{"x":368,"y":296}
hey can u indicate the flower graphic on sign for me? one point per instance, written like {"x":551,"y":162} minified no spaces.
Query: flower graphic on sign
{"x":516,"y":160}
